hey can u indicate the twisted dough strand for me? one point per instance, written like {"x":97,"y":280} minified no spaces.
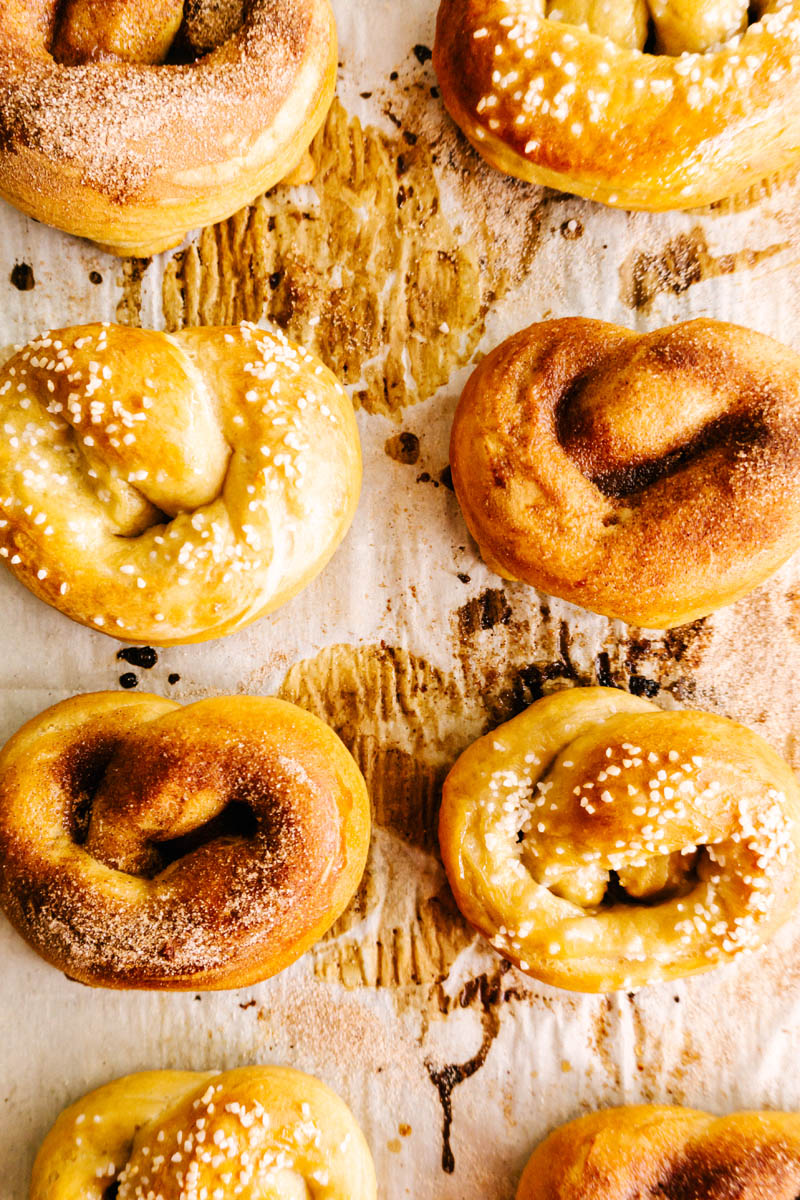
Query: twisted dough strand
{"x":667,"y":1153}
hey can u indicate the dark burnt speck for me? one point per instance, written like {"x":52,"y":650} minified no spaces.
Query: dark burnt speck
{"x":138,"y":656}
{"x":22,"y":277}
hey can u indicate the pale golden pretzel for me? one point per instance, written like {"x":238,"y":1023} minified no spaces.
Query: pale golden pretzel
{"x":102,"y":138}
{"x":146,"y":845}
{"x":650,"y":477}
{"x":657,"y":1152}
{"x":602,"y":844}
{"x":167,"y":488}
{"x":567,"y":97}
{"x":266,"y":1133}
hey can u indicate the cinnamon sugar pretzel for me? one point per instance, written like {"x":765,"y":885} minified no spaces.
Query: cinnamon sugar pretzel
{"x":667,"y":1153}
{"x":652,"y":477}
{"x":146,"y":845}
{"x":102,"y":138}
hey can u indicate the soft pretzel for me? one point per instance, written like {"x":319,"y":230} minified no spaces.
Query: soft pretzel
{"x":651,"y":477}
{"x":145,"y":845}
{"x":101,"y":140}
{"x":667,"y":1153}
{"x":602,"y":844}
{"x":266,"y":1133}
{"x":170,"y":489}
{"x":567,"y":98}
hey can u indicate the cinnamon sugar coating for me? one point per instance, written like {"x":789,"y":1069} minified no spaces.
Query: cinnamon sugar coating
{"x":667,"y":1153}
{"x":650,"y":477}
{"x":132,"y":154}
{"x":146,"y":845}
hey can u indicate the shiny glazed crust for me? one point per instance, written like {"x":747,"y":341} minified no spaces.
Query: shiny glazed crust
{"x":667,"y":1153}
{"x":557,"y":105}
{"x":132,"y":155}
{"x":99,"y":799}
{"x":275,"y":1131}
{"x":172,"y":488}
{"x":650,"y":477}
{"x":557,"y":825}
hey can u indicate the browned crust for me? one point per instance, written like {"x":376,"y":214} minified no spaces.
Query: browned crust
{"x":656,"y":141}
{"x":91,"y":789}
{"x":667,"y":1153}
{"x":652,"y":477}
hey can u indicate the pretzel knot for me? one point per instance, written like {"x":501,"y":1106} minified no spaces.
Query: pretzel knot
{"x":650,"y":477}
{"x":256,"y":1131}
{"x":666,"y":1153}
{"x":602,"y":844}
{"x":147,"y":845}
{"x":131,"y":122}
{"x":172,"y":488}
{"x":562,"y":94}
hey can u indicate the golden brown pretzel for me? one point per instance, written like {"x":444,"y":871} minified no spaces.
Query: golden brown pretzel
{"x":145,"y":845}
{"x":667,"y":1153}
{"x":567,"y":98}
{"x":651,"y":477}
{"x":269,"y":1133}
{"x":100,"y":140}
{"x":172,"y":488}
{"x":602,"y":844}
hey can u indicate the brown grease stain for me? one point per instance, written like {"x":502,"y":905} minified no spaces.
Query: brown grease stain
{"x":403,"y":448}
{"x":489,"y":992}
{"x":402,"y":720}
{"x":684,"y":261}
{"x":129,"y":308}
{"x":368,"y":274}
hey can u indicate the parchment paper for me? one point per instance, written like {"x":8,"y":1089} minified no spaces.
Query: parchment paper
{"x":454,"y":1064}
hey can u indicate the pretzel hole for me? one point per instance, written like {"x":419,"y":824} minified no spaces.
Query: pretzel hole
{"x":236,"y":821}
{"x":660,"y":879}
{"x":112,"y":1191}
{"x":82,"y":774}
{"x":144,"y":32}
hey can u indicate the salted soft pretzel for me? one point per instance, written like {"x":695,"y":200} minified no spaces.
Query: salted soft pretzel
{"x":146,"y":845}
{"x":266,"y":1133}
{"x":602,"y":844}
{"x":650,"y":477}
{"x":667,"y":1153}
{"x":562,"y":94}
{"x":172,"y":488}
{"x":103,"y":139}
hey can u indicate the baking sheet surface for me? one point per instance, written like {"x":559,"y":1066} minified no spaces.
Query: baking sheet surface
{"x":405,"y":260}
